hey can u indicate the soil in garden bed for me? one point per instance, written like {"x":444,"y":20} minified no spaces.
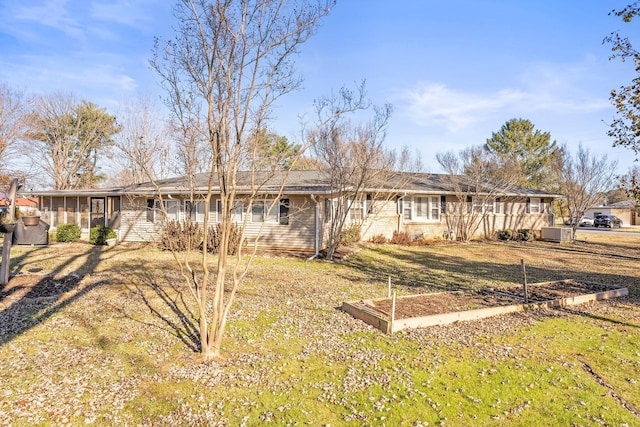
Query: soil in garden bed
{"x":447,"y":302}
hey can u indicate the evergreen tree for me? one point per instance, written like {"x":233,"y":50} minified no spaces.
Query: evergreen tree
{"x":532,"y":151}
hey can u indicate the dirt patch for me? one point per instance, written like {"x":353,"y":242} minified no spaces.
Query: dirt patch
{"x":448,"y":302}
{"x":36,"y":286}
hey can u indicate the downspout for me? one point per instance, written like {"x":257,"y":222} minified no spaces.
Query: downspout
{"x":317,"y":228}
{"x":399,"y":211}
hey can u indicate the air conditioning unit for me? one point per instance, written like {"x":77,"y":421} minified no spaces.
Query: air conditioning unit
{"x":557,"y":234}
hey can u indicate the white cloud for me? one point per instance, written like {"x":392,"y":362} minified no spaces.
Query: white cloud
{"x":131,"y":13}
{"x":542,"y":89}
{"x":53,"y":14}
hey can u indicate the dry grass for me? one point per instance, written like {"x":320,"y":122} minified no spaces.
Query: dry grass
{"x":120,"y":349}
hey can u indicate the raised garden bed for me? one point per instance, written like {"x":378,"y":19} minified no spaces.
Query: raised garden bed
{"x":442,"y":308}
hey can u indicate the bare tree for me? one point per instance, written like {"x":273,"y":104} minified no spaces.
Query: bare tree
{"x":141,"y":145}
{"x":583,"y":179}
{"x":353,"y":158}
{"x":13,"y":122}
{"x":70,"y":137}
{"x":478,"y":177}
{"x":232,"y":58}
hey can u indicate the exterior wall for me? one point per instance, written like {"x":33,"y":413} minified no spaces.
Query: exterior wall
{"x":511,"y":213}
{"x":298,"y":235}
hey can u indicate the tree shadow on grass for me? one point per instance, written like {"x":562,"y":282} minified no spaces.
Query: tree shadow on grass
{"x":183,"y":323}
{"x":575,"y":310}
{"x":25,"y":306}
{"x":431,"y":270}
{"x":423,"y":270}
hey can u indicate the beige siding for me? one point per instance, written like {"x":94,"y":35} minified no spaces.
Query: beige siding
{"x":382,"y":220}
{"x":512,"y":214}
{"x":298,"y":235}
{"x":134,"y":225}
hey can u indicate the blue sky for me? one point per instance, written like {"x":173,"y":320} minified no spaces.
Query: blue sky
{"x":454,"y":71}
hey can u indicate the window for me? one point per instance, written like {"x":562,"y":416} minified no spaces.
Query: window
{"x":483,"y":205}
{"x":284,"y":211}
{"x":236,"y":212}
{"x":435,"y":207}
{"x":152,"y":204}
{"x":407,"y":207}
{"x":265,"y":211}
{"x":534,"y":205}
{"x":421,"y":208}
{"x":356,"y":211}
{"x":172,"y":208}
{"x":194,"y":210}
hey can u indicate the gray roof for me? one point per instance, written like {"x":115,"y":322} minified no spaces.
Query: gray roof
{"x":296,"y":182}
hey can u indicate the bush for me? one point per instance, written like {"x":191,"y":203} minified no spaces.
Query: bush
{"x":401,"y":238}
{"x":100,"y":234}
{"x":213,"y":239}
{"x":180,"y":237}
{"x":505,"y":235}
{"x":426,"y":241}
{"x":68,"y":233}
{"x":525,"y":235}
{"x":379,"y":239}
{"x":350,"y":235}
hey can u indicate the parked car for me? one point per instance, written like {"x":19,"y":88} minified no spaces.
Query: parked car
{"x":610,"y":221}
{"x":586,"y":221}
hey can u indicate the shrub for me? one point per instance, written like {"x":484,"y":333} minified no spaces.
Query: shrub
{"x":401,"y":238}
{"x":68,"y":233}
{"x":426,"y":241}
{"x":213,"y":239}
{"x":525,"y":235}
{"x":379,"y":239}
{"x":100,"y":234}
{"x":350,"y":235}
{"x":180,"y":237}
{"x":505,"y":234}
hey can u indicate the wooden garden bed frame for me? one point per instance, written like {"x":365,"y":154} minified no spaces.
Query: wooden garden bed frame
{"x":365,"y":310}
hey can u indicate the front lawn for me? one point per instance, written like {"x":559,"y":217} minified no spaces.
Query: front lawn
{"x":120,"y":349}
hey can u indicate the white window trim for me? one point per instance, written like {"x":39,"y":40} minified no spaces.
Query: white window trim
{"x":486,"y":206}
{"x":269,"y":216}
{"x":535,"y":205}
{"x":355,"y":207}
{"x":197,"y":210}
{"x":172,"y":216}
{"x":409,"y":206}
{"x":238,"y":208}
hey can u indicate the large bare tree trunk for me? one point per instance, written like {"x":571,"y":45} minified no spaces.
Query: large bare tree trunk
{"x":229,"y":62}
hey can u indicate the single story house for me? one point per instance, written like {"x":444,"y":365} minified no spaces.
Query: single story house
{"x":420,"y":204}
{"x":625,"y":210}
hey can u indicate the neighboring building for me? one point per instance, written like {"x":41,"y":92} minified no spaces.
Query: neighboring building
{"x":420,"y":204}
{"x":625,"y":210}
{"x":21,"y":203}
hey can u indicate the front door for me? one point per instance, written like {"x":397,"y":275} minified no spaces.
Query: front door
{"x":98,"y":216}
